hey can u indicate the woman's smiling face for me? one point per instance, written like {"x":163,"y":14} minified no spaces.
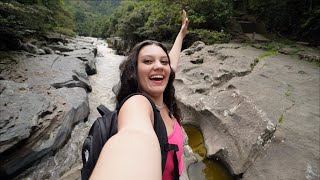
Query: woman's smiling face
{"x":153,"y":70}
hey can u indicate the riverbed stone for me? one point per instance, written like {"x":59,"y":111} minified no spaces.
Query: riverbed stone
{"x":41,"y":52}
{"x":48,"y":50}
{"x":30,"y":48}
{"x":39,"y":113}
{"x":121,"y":46}
{"x":255,"y":113}
{"x":51,"y":119}
{"x":60,"y":47}
{"x":18,"y":103}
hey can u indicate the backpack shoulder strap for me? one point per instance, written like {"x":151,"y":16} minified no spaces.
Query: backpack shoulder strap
{"x":103,"y":110}
{"x":175,"y":149}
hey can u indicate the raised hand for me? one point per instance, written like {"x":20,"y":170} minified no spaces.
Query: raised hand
{"x":184,"y":23}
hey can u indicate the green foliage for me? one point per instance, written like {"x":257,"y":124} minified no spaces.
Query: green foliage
{"x":272,"y":46}
{"x":267,"y":54}
{"x":281,"y":119}
{"x":6,"y":56}
{"x":161,"y":20}
{"x":211,"y":37}
{"x":287,"y":93}
{"x":128,"y":21}
{"x":91,"y":17}
{"x":16,"y":15}
{"x":129,"y":24}
{"x":209,"y":14}
{"x":65,"y":31}
{"x":39,"y":15}
{"x":164,"y":21}
{"x":296,"y":18}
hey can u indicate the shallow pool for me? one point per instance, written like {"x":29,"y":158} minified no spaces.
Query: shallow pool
{"x":205,"y":168}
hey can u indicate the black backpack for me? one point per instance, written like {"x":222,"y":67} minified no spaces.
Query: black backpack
{"x":107,"y":125}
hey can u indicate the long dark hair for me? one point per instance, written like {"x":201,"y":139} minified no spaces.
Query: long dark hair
{"x":129,"y":81}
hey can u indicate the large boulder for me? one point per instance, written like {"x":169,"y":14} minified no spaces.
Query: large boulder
{"x":42,"y":99}
{"x":88,"y":56}
{"x":36,"y":123}
{"x":121,"y":46}
{"x":259,"y":113}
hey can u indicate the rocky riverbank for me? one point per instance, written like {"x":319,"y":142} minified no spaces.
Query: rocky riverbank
{"x":257,"y":110}
{"x":43,"y":96}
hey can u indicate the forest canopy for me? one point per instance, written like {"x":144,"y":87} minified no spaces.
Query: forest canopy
{"x":136,"y":20}
{"x":38,"y":15}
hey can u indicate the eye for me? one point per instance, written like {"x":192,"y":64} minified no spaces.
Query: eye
{"x":164,"y":62}
{"x":147,"y":61}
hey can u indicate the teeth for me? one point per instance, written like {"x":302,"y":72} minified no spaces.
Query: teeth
{"x":156,"y":76}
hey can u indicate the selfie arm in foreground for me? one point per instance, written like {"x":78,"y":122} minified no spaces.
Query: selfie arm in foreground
{"x":134,"y":152}
{"x":176,"y":48}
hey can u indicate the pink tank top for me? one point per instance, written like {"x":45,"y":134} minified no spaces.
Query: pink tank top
{"x":176,"y":137}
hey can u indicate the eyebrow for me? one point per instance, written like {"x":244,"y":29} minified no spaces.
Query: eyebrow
{"x":162,"y":57}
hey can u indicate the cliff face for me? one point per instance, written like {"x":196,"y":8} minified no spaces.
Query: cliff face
{"x":260,"y":113}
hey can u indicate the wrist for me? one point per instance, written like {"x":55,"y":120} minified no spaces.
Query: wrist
{"x":181,"y":34}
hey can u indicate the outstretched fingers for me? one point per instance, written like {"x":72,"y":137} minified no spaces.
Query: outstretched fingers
{"x":185,"y":23}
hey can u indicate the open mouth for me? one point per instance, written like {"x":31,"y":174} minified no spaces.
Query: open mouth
{"x":156,"y":78}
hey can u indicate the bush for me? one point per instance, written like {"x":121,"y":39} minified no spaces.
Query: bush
{"x":65,"y":31}
{"x":161,"y":20}
{"x":211,"y":37}
{"x":291,"y":18}
{"x":209,"y":14}
{"x":34,"y":15}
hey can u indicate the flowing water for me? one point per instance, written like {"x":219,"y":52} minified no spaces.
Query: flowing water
{"x":107,"y":64}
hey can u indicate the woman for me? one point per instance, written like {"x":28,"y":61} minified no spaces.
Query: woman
{"x":149,"y":69}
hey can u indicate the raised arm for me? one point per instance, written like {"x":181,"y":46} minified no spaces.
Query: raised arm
{"x":176,"y":48}
{"x":134,"y":152}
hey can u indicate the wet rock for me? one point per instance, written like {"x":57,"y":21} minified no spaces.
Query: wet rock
{"x":48,"y":50}
{"x":41,"y":52}
{"x":90,"y":62}
{"x":122,"y":47}
{"x":87,"y":56}
{"x":30,"y":48}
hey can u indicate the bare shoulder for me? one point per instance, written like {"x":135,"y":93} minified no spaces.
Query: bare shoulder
{"x":135,"y":112}
{"x":142,"y":100}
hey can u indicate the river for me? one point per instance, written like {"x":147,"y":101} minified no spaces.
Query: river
{"x":107,"y":63}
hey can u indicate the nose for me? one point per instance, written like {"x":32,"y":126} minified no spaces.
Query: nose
{"x":158,"y":65}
